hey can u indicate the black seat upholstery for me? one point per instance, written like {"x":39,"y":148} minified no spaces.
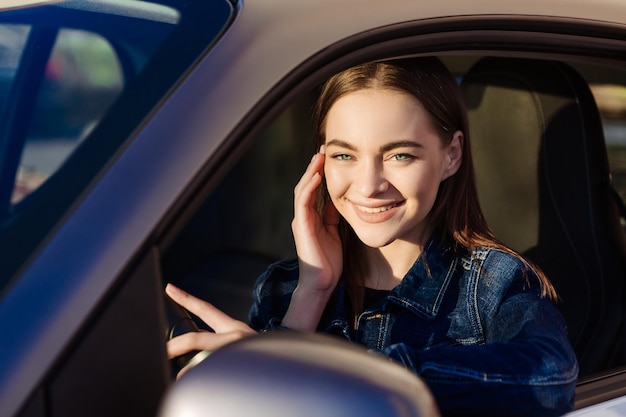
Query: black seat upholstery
{"x":545,"y":189}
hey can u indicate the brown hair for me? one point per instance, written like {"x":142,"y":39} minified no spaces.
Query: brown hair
{"x":456,"y":213}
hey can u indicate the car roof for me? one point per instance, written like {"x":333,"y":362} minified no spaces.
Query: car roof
{"x":14,"y":4}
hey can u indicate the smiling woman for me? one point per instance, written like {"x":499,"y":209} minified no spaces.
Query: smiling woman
{"x":394,"y":167}
{"x":394,"y":254}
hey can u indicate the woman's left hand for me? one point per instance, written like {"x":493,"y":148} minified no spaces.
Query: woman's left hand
{"x":226,"y":329}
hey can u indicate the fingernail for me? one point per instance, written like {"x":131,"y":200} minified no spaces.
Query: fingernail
{"x":323,"y":149}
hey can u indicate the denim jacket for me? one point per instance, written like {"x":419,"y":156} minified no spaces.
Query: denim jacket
{"x":475,"y":329}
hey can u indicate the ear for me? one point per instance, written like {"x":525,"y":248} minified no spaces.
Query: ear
{"x":454,"y":155}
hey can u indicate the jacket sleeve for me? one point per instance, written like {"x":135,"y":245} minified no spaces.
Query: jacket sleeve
{"x":272,"y":294}
{"x":525,"y":367}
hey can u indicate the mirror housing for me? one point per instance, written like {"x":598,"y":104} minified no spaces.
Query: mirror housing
{"x":285,"y":373}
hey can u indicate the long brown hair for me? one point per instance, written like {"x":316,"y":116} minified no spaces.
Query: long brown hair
{"x":456,"y":213}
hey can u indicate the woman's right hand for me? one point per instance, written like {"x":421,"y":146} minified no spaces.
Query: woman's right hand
{"x":225,"y":328}
{"x":319,"y":250}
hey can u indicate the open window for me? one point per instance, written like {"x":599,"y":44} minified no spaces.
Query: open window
{"x":244,"y":223}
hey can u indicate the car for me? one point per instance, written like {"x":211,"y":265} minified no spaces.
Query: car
{"x":145,"y":142}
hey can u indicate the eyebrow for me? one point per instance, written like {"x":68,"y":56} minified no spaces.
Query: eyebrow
{"x":341,"y":144}
{"x":400,"y":144}
{"x":385,"y":148}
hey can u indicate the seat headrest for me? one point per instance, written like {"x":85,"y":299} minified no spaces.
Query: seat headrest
{"x":532,"y":118}
{"x":544,"y":184}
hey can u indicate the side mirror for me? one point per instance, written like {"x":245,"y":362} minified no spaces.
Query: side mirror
{"x":287,"y":373}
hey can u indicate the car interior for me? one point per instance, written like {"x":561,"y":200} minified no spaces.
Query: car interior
{"x":544,"y":112}
{"x":544,"y":180}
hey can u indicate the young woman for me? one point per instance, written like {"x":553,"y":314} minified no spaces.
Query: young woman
{"x":394,"y":253}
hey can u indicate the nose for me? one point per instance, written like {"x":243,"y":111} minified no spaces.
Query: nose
{"x":370,"y":179}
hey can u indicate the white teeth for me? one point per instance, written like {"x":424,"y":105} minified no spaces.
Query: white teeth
{"x":373,"y":210}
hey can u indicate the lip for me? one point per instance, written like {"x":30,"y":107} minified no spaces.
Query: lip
{"x":376,"y":213}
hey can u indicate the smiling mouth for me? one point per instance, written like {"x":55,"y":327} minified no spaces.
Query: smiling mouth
{"x":374,"y":210}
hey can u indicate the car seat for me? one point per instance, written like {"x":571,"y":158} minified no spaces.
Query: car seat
{"x":545,"y":187}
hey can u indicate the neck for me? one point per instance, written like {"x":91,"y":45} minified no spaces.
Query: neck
{"x":388,"y":265}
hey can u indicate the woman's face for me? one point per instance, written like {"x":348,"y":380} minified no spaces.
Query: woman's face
{"x":384,"y":163}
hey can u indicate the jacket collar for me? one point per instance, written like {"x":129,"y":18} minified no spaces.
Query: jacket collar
{"x":423,"y":287}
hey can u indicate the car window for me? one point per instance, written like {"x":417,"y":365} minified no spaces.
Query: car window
{"x":245,"y":224}
{"x":70,"y":78}
{"x":80,"y":80}
{"x":12,"y":41}
{"x":212,"y":260}
{"x":77,"y":78}
{"x":611,"y":100}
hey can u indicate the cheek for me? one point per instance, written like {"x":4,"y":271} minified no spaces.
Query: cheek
{"x":335,"y":181}
{"x":421,"y":185}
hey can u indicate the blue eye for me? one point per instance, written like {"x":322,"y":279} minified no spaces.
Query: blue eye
{"x":402,"y":157}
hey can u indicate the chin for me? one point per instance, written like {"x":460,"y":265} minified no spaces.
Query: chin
{"x":375,"y":242}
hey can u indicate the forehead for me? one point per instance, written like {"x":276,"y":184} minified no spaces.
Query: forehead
{"x":377,"y":96}
{"x":378,"y":112}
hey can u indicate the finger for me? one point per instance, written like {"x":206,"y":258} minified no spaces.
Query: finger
{"x":304,"y":192}
{"x":194,"y":341}
{"x":214,"y":317}
{"x":315,"y":166}
{"x":305,"y":196}
{"x":185,"y":343}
